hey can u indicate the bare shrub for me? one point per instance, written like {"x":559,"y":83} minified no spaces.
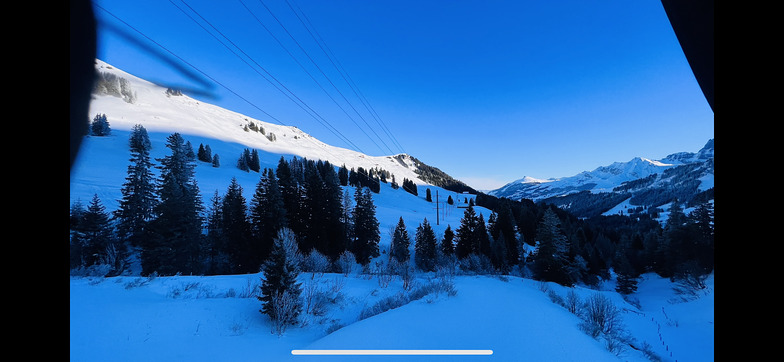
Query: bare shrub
{"x":600,"y":316}
{"x":284,"y":312}
{"x":572,"y":302}
{"x":346,"y":263}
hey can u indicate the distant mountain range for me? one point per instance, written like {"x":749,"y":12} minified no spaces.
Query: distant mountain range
{"x":637,"y":185}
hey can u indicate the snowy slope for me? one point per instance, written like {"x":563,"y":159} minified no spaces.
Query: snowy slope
{"x":162,"y":114}
{"x":191,"y":318}
{"x":101,"y":166}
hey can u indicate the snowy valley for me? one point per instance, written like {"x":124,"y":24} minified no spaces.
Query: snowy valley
{"x":131,"y":317}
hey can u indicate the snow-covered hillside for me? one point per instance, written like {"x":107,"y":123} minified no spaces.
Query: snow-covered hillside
{"x":217,"y":318}
{"x":163,"y":113}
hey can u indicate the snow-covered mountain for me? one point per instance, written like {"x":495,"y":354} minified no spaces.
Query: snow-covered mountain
{"x":127,"y":100}
{"x":641,"y":182}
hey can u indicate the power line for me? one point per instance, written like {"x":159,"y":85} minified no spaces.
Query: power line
{"x":328,"y":80}
{"x":335,"y":63}
{"x":299,"y":102}
{"x":204,"y":73}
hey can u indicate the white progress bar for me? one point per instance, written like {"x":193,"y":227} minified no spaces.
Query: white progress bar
{"x":391,"y":352}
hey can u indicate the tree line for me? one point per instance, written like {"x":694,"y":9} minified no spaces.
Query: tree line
{"x":165,"y":222}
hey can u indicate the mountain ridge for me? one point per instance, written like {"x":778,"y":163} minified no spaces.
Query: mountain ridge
{"x":682,"y":175}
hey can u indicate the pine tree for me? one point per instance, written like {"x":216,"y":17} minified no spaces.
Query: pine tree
{"x":254,"y":164}
{"x":428,"y":197}
{"x":216,"y":246}
{"x":673,"y":250}
{"x":626,"y":276}
{"x":99,"y":244}
{"x":204,"y":153}
{"x":467,"y":237}
{"x":551,"y":259}
{"x":702,"y":220}
{"x":483,"y":242}
{"x":343,"y":175}
{"x":189,"y":151}
{"x":366,"y":234}
{"x":136,"y":208}
{"x":236,"y":228}
{"x":174,"y":236}
{"x":447,"y":243}
{"x":216,"y":161}
{"x":243,"y":163}
{"x":100,"y":126}
{"x":279,"y":280}
{"x":425,"y":247}
{"x":76,"y":235}
{"x":398,"y":249}
{"x":499,"y":256}
{"x":290,"y":191}
{"x":267,"y":213}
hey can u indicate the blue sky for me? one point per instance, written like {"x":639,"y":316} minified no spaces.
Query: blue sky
{"x":487,"y":91}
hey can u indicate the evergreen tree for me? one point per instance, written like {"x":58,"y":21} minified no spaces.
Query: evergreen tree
{"x":673,"y":248}
{"x":204,"y":153}
{"x":267,"y":213}
{"x":236,"y":228}
{"x":254,"y":164}
{"x":215,"y":161}
{"x":504,"y":226}
{"x":335,"y":229}
{"x":702,"y":220}
{"x":76,"y":235}
{"x":626,"y":276}
{"x":290,"y":191}
{"x":428,"y":197}
{"x":484,"y":244}
{"x":410,"y":186}
{"x":366,"y":234}
{"x":100,"y":126}
{"x":280,"y":273}
{"x":136,"y":208}
{"x":99,"y":244}
{"x":216,"y":245}
{"x":189,"y":151}
{"x":174,"y":236}
{"x":551,"y":260}
{"x":425,"y":247}
{"x":398,"y":249}
{"x":343,"y":175}
{"x":449,"y":200}
{"x":447,"y":243}
{"x":467,"y":237}
{"x":499,"y":256}
{"x":243,"y":163}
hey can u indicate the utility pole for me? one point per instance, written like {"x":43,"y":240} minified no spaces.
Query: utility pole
{"x":437,"y":211}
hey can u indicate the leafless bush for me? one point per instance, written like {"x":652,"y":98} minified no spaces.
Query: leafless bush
{"x":284,"y":312}
{"x":572,"y":302}
{"x":346,"y":262}
{"x":600,"y":316}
